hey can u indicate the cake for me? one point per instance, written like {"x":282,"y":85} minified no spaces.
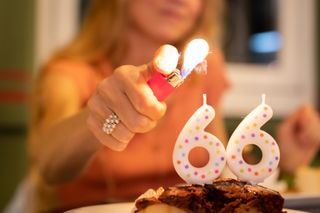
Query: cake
{"x":223,"y":195}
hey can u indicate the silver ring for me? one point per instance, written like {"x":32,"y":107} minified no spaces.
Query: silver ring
{"x":110,"y":123}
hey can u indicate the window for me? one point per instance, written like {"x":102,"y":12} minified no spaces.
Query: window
{"x":283,"y":68}
{"x":252,"y":34}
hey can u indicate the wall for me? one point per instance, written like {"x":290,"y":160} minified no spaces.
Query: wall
{"x":318,"y":53}
{"x":16,"y":61}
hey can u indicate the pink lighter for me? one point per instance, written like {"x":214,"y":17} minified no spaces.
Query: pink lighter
{"x":163,"y":84}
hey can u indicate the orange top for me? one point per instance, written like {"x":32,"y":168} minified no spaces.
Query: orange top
{"x":147,"y":161}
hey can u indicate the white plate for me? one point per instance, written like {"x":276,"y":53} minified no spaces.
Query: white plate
{"x":117,"y":207}
{"x":300,"y":196}
{"x":123,"y":208}
{"x":302,"y":201}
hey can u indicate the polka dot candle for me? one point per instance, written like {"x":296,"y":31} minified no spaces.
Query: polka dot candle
{"x":249,"y":132}
{"x":192,"y":136}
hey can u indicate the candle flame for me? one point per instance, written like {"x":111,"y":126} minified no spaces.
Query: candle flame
{"x":196,"y":51}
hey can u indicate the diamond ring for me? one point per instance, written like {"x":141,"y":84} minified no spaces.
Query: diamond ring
{"x":110,"y":123}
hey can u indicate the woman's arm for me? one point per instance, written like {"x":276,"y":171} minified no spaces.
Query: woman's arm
{"x":66,"y":142}
{"x":61,"y":143}
{"x":67,"y":148}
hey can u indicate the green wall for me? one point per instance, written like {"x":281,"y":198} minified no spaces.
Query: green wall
{"x":16,"y":53}
{"x":318,"y":53}
{"x":16,"y":56}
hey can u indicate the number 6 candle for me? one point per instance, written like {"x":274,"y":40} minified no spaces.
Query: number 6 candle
{"x":249,"y":132}
{"x":193,"y":135}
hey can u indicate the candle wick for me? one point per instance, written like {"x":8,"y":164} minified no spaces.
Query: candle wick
{"x":204,"y":99}
{"x":263,"y":98}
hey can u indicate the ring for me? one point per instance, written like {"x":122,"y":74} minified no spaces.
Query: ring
{"x":110,"y":123}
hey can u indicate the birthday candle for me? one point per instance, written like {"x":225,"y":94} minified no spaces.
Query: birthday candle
{"x":249,"y":132}
{"x":192,"y":136}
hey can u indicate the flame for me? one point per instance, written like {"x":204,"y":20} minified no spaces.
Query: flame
{"x":196,"y":51}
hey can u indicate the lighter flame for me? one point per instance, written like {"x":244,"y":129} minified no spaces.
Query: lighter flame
{"x":196,"y":51}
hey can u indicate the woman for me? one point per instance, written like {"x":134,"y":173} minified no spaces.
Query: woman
{"x":73,"y":162}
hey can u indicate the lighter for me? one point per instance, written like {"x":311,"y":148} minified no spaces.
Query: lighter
{"x":165,"y":81}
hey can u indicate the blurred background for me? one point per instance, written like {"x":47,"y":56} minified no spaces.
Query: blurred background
{"x":272,"y":47}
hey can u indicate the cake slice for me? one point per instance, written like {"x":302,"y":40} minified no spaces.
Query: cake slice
{"x":223,"y":195}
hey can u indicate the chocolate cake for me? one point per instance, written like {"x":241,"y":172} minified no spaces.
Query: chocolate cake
{"x":223,"y":195}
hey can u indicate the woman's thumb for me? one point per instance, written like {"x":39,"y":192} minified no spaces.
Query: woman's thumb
{"x":165,"y":59}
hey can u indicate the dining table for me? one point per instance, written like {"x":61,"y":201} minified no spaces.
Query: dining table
{"x":294,"y":203}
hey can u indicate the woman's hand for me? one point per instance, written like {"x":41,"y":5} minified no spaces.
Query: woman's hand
{"x":299,"y":138}
{"x":127,"y":94}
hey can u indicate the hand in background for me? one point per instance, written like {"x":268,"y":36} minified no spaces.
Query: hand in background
{"x":299,"y":138}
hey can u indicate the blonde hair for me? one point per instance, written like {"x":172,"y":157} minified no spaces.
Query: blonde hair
{"x":104,"y":27}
